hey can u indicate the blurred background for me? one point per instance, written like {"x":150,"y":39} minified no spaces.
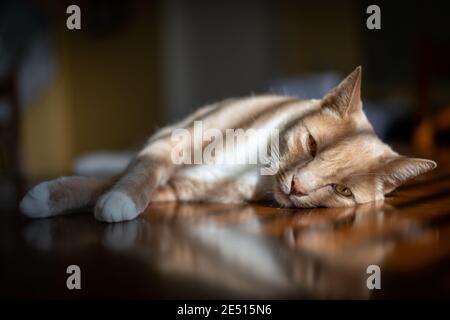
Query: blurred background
{"x":80,"y":101}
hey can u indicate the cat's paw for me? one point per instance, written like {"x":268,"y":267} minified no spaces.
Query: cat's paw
{"x":115,"y":206}
{"x":35,"y":204}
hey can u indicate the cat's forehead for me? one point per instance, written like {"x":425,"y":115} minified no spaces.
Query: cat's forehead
{"x":328,"y":125}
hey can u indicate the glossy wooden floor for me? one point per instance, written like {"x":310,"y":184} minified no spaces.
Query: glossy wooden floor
{"x":231,"y":251}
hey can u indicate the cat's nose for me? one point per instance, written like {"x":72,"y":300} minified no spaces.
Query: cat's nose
{"x":297,"y":188}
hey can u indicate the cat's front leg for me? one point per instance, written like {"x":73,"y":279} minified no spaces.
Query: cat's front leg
{"x":184,"y":189}
{"x":131,"y":194}
{"x":63,"y":195}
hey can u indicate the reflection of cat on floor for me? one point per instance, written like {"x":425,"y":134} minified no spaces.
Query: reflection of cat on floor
{"x":328,"y":156}
{"x":317,"y":261}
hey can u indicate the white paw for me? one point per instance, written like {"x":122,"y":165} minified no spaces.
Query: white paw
{"x":35,"y":204}
{"x":115,"y":206}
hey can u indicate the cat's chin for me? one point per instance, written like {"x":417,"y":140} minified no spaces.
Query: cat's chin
{"x":281,"y":197}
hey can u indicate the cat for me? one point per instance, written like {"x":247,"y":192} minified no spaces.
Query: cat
{"x":328,"y":155}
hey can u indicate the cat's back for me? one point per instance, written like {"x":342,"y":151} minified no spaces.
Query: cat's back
{"x":228,"y":113}
{"x":245,"y":112}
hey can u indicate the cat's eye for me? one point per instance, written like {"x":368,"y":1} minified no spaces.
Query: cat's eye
{"x":312,"y":146}
{"x":342,"y":190}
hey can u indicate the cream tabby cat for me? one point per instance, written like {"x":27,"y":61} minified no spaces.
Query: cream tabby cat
{"x":328,"y":156}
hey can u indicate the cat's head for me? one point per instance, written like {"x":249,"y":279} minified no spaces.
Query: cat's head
{"x":333,"y":158}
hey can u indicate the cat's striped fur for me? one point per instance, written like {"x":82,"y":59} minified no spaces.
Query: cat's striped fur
{"x":328,"y":156}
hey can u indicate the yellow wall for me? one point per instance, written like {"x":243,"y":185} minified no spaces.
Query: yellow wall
{"x":46,"y":126}
{"x":104,"y":96}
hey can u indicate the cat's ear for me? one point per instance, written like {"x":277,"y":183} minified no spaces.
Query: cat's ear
{"x":346,"y":97}
{"x":397,"y":170}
